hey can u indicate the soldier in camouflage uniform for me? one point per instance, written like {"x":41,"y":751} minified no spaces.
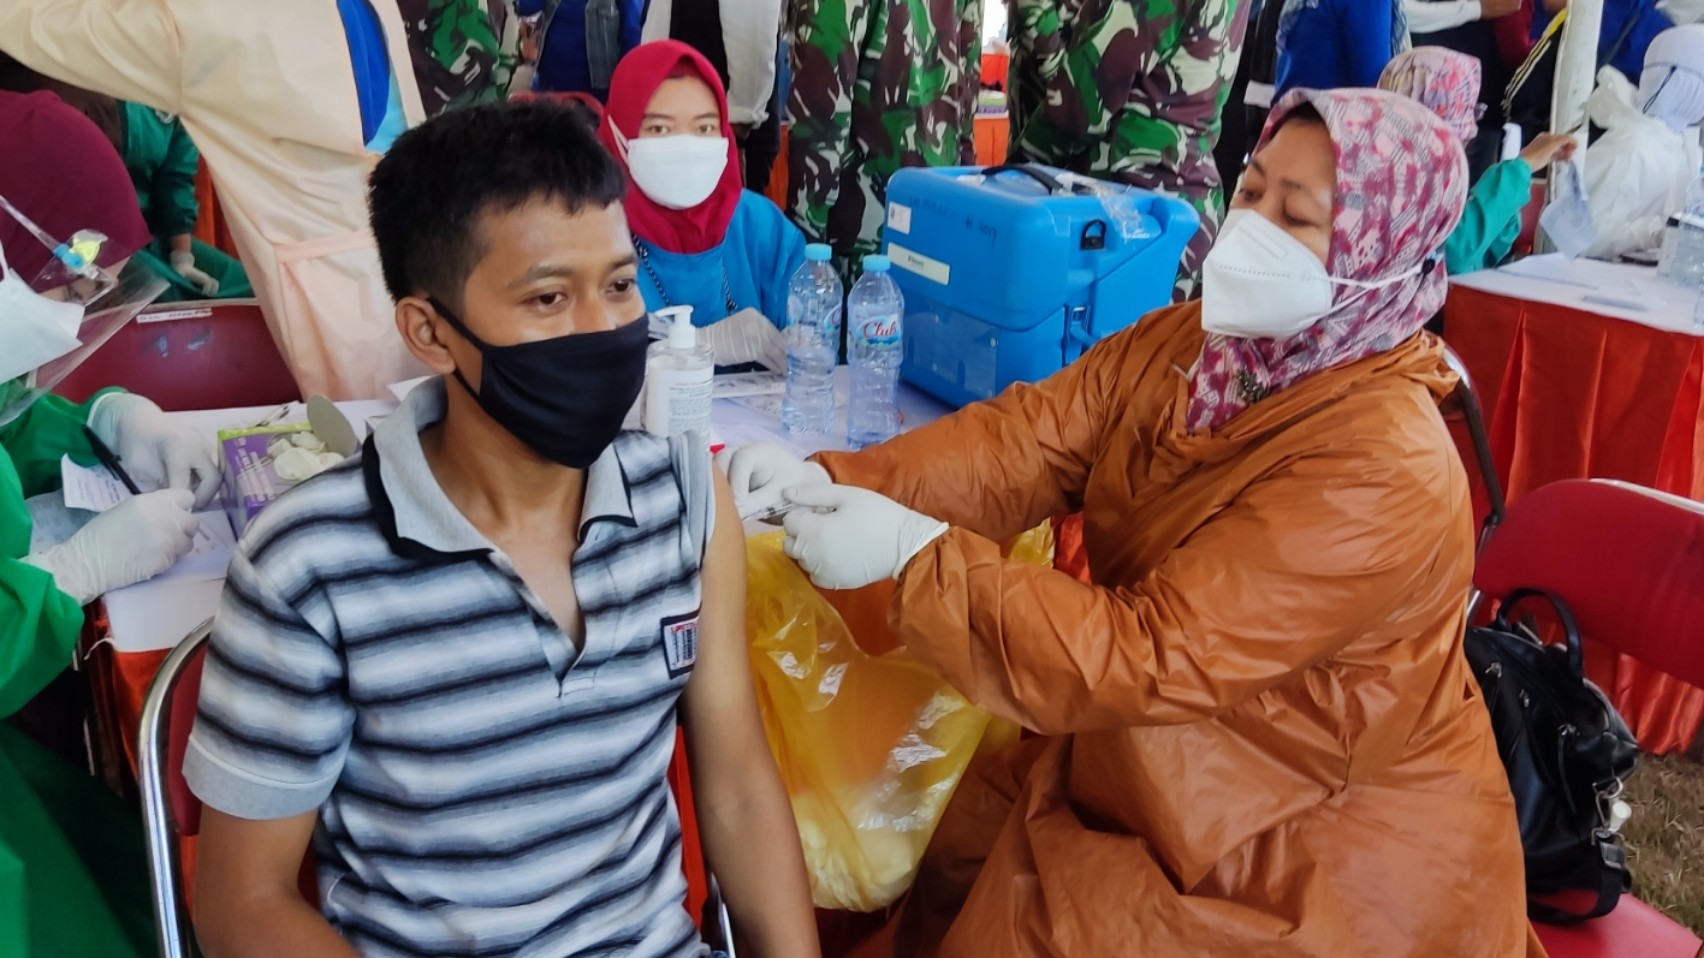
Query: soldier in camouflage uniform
{"x":877,"y":85}
{"x":1128,"y":90}
{"x":464,"y":51}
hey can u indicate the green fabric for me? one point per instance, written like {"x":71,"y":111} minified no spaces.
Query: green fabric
{"x":38,"y":623}
{"x":73,"y":872}
{"x":1492,"y":220}
{"x":162,"y":161}
{"x":233,"y":279}
{"x":73,"y":864}
{"x":1130,"y":91}
{"x":877,"y":85}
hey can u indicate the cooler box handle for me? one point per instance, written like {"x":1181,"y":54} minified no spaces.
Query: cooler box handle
{"x":1030,"y":170}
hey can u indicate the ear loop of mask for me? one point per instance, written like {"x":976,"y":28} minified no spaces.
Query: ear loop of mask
{"x":1364,"y":288}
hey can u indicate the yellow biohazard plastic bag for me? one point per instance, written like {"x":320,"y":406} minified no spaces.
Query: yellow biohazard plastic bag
{"x":869,"y":747}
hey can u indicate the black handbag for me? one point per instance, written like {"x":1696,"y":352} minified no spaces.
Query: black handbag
{"x":1567,"y":752}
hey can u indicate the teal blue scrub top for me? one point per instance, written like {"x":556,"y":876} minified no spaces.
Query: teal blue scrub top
{"x":1492,"y":220}
{"x":758,"y":255}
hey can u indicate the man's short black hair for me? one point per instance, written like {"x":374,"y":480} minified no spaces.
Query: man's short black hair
{"x":428,"y":193}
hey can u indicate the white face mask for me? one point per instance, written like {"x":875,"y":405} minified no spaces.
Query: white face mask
{"x":35,"y":329}
{"x":678,"y":171}
{"x":1259,"y":282}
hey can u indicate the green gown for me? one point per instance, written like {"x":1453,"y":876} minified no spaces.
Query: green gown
{"x":162,"y":161}
{"x":73,"y":871}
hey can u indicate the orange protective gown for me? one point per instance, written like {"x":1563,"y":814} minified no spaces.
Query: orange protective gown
{"x":1259,"y":734}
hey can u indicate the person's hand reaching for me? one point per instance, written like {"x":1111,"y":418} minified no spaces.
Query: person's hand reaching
{"x":847,"y":538}
{"x":748,"y":337}
{"x":155,"y":450}
{"x":1548,"y":148}
{"x":1492,"y":9}
{"x":760,"y":472}
{"x":183,"y":263}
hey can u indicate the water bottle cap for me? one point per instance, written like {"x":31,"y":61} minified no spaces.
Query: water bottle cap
{"x":818,"y":253}
{"x":876,"y":264}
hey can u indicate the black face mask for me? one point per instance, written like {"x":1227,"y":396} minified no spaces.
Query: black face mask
{"x":564,"y":397}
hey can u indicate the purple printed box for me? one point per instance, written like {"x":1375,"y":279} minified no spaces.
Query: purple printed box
{"x":251,"y":481}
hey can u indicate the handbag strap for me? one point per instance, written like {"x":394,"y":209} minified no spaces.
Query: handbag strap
{"x":1613,"y":880}
{"x":1570,"y":627}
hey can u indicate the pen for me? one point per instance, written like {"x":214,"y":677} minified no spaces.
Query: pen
{"x":110,"y":461}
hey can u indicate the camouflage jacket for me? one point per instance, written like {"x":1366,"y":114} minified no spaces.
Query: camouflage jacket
{"x":877,"y":85}
{"x":464,"y":51}
{"x":1128,"y":90}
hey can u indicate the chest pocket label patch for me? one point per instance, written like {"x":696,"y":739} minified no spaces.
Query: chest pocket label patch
{"x":680,"y":643}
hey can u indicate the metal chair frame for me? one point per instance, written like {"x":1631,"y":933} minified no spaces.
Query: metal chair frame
{"x":165,"y":874}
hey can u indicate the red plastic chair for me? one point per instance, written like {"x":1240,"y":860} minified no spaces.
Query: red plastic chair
{"x":216,"y":354}
{"x":1629,"y":562}
{"x":172,"y":813}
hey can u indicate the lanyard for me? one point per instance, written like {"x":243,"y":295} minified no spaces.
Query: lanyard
{"x":645,"y":261}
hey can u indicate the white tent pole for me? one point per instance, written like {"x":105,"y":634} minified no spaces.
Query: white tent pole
{"x":1576,"y":68}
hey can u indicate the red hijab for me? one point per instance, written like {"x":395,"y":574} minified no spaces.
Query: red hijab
{"x":631,"y":88}
{"x":62,"y":172}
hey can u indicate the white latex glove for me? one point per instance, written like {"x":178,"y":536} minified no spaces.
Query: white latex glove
{"x":183,"y":263}
{"x":758,"y":473}
{"x":846,"y":538}
{"x":748,"y":337}
{"x":135,"y":540}
{"x":155,"y":450}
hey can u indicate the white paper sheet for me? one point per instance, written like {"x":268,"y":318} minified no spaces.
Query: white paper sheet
{"x":51,"y":523}
{"x":90,"y":487}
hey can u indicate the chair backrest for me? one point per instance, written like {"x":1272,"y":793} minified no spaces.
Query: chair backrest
{"x":202,"y":355}
{"x":1628,"y":561}
{"x":1465,"y":401}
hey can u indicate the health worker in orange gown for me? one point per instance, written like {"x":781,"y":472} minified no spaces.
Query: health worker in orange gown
{"x":1257,"y":733}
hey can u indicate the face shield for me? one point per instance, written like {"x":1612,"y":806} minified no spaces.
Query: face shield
{"x":53,"y":321}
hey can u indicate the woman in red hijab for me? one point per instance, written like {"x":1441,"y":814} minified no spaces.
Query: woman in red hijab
{"x":702,"y":241}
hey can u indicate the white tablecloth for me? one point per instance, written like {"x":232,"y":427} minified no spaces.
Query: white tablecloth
{"x":1622,"y":291}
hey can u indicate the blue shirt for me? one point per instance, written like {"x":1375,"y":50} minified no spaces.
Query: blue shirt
{"x":562,"y":63}
{"x":371,"y":63}
{"x":1333,"y":44}
{"x":759,"y":254}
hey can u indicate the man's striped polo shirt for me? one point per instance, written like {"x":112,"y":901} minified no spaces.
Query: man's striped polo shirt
{"x":486,"y":786}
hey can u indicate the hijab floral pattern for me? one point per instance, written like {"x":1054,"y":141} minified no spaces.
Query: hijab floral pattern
{"x":1401,"y":185}
{"x":1443,"y":81}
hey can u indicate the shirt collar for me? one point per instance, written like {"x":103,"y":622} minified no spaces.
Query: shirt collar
{"x":417,"y":517}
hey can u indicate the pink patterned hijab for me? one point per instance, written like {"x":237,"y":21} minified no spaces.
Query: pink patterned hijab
{"x":1401,"y":185}
{"x":1444,"y":81}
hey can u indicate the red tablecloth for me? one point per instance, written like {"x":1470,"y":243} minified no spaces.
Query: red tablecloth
{"x":1573,"y":395}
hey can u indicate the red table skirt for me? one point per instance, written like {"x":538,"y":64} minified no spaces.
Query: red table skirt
{"x":1576,"y":395}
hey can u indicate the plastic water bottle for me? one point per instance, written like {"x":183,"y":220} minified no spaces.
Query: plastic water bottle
{"x":813,"y":343}
{"x":874,"y":346}
{"x":1688,"y":269}
{"x":1698,"y":315}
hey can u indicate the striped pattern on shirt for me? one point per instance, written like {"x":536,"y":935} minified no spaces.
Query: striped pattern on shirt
{"x":485,"y":786}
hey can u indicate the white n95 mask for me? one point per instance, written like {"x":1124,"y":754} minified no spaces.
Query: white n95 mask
{"x":679,"y":171}
{"x":36,"y":330}
{"x":1259,"y":282}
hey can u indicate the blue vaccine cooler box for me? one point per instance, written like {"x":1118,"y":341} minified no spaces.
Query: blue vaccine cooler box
{"x":1010,"y":273}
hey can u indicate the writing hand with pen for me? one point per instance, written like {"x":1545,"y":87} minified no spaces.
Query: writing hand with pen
{"x":171,"y":471}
